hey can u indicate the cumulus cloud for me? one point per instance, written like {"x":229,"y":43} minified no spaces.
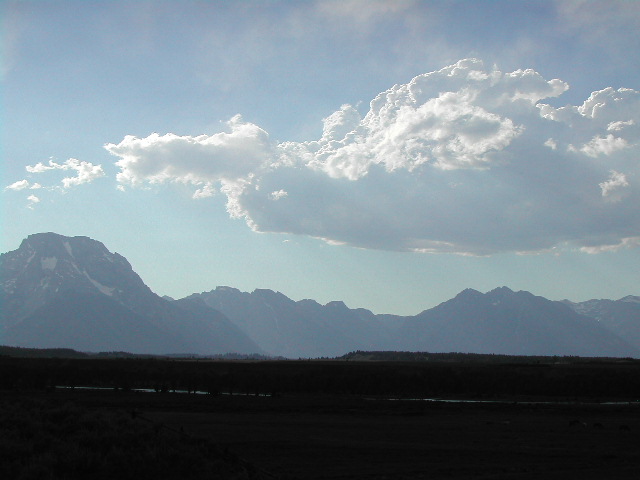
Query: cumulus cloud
{"x":85,"y":172}
{"x":466,"y":159}
{"x":19,"y":185}
{"x":22,"y":185}
{"x":196,"y":160}
{"x":604,"y":145}
{"x":32,"y":201}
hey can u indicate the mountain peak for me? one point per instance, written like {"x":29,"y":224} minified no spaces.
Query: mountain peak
{"x":502,"y":291}
{"x":49,"y":264}
{"x":72,"y":291}
{"x":468,"y":293}
{"x":630,"y":299}
{"x":507,"y":322}
{"x":337,"y":304}
{"x":48,"y":240}
{"x":224,"y":288}
{"x":268,"y":294}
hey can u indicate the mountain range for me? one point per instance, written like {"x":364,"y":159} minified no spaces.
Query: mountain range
{"x":72,"y":292}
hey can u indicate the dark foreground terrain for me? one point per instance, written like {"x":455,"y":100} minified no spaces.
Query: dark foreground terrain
{"x":328,"y":433}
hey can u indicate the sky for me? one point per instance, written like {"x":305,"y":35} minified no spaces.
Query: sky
{"x":385,"y":153}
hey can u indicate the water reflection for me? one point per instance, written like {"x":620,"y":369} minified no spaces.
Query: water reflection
{"x":507,"y":402}
{"x":153,"y":390}
{"x":390,"y":399}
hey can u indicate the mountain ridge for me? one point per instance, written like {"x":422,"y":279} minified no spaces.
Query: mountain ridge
{"x":508,"y":322}
{"x":528,"y":324}
{"x":59,"y":291}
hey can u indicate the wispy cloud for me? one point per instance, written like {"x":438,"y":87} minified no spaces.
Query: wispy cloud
{"x":362,"y":11}
{"x":612,"y":187}
{"x":601,"y":22}
{"x":85,"y":172}
{"x":466,"y":159}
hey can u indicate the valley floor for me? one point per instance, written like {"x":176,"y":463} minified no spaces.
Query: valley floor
{"x":324,"y":436}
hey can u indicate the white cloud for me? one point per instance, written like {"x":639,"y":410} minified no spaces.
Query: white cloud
{"x":22,"y":185}
{"x":33,"y":200}
{"x":604,"y":145}
{"x":196,"y":160}
{"x":340,"y":123}
{"x":86,"y":172}
{"x":277,"y":195}
{"x":612,"y":186}
{"x":528,"y":176}
{"x":611,"y":106}
{"x":616,"y":126}
{"x":19,"y":185}
{"x":39,"y":167}
{"x":627,"y":242}
{"x":458,"y":117}
{"x":205,"y":192}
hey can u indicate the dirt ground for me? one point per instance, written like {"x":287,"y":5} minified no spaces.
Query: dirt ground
{"x":350,"y":437}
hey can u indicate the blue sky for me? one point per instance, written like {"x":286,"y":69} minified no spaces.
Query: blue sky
{"x":388,"y":154}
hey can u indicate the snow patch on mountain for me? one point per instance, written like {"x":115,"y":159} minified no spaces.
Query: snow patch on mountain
{"x":9,"y":286}
{"x":67,"y":247}
{"x":48,"y":263}
{"x":103,"y":289}
{"x":33,"y":254}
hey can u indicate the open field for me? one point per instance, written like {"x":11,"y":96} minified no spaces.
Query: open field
{"x":355,"y":438}
{"x":335,"y":435}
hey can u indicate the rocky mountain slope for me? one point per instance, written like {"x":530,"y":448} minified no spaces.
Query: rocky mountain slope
{"x":59,"y":291}
{"x":514,"y":323}
{"x":621,"y":316}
